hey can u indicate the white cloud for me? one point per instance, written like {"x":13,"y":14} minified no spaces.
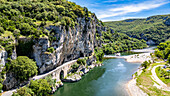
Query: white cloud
{"x":131,"y":8}
{"x":122,"y":18}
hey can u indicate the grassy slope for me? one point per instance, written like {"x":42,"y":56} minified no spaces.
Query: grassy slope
{"x":145,"y":82}
{"x":166,"y":81}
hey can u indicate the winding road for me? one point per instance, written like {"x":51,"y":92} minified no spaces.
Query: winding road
{"x":155,"y":78}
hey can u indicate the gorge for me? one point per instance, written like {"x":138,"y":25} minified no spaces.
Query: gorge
{"x":47,"y":43}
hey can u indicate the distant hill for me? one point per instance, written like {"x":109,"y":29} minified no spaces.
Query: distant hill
{"x":154,"y":29}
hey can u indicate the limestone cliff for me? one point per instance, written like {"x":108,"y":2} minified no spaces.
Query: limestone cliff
{"x":3,"y":56}
{"x":70,"y":44}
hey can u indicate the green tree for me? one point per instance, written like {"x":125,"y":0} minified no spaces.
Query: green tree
{"x":23,"y":67}
{"x":50,"y":80}
{"x":145,"y":64}
{"x":24,"y":91}
{"x":162,"y":46}
{"x":158,"y":53}
{"x":99,"y":55}
{"x":60,"y":8}
{"x":40,"y":87}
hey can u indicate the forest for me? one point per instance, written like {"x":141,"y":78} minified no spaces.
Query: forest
{"x":154,"y":28}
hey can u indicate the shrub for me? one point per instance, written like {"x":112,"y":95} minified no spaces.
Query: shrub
{"x":51,"y":81}
{"x":23,"y":67}
{"x":81,"y":61}
{"x":51,"y":49}
{"x":40,"y":87}
{"x":145,"y":64}
{"x":75,"y":66}
{"x":24,"y":91}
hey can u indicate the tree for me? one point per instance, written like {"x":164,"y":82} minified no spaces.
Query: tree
{"x":23,"y":67}
{"x":162,"y":46}
{"x":145,"y":64}
{"x":40,"y":87}
{"x":99,"y":55}
{"x":24,"y":91}
{"x":60,"y":8}
{"x":158,"y":53}
{"x":50,"y":80}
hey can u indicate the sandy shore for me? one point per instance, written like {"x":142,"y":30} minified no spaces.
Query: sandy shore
{"x":133,"y":89}
{"x":138,"y":58}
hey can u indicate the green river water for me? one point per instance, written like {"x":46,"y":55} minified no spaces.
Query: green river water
{"x":107,"y":80}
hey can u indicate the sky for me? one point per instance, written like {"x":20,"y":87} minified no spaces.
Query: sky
{"x":115,"y":10}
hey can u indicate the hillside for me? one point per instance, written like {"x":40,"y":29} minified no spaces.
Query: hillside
{"x":154,"y":28}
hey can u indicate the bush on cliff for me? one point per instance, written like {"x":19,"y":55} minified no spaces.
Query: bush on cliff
{"x":81,"y":61}
{"x":23,"y":67}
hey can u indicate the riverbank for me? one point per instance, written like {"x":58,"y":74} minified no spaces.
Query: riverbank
{"x":132,"y":88}
{"x":138,"y":58}
{"x":135,"y":58}
{"x":144,"y":84}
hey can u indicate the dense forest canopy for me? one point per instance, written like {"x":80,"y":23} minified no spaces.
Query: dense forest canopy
{"x":154,"y":28}
{"x":119,"y":42}
{"x":30,"y":17}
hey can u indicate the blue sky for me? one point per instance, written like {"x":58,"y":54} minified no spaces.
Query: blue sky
{"x":114,"y":10}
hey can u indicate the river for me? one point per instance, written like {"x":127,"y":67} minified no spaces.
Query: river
{"x":107,"y":80}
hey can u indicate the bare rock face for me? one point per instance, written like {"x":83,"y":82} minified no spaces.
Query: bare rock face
{"x":3,"y":57}
{"x":69,"y":44}
{"x":150,"y":42}
{"x":10,"y":81}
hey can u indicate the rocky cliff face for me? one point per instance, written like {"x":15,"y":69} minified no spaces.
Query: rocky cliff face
{"x":3,"y":57}
{"x":69,"y":44}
